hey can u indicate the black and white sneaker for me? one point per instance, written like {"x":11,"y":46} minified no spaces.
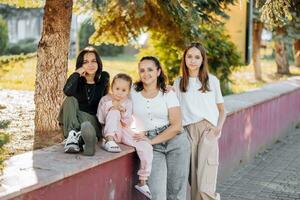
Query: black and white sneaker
{"x":71,"y":143}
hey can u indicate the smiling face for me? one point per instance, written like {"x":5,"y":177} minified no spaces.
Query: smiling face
{"x":120,"y":89}
{"x":148,"y":72}
{"x":90,"y":63}
{"x":193,"y":60}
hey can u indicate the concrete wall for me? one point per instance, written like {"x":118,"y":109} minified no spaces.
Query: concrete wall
{"x":255,"y":120}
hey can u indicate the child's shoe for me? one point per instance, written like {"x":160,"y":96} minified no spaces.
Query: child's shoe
{"x":145,"y":190}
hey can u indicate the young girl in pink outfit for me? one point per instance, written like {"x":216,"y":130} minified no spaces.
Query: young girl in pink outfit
{"x":115,"y":112}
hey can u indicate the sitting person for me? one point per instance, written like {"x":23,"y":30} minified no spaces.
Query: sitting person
{"x":115,"y":113}
{"x":84,"y":89}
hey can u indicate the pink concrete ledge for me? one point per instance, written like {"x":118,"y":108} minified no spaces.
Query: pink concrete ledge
{"x":46,"y":173}
{"x":255,"y":120}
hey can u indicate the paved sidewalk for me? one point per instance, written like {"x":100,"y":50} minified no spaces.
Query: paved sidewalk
{"x":273,"y":175}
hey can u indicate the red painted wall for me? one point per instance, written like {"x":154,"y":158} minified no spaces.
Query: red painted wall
{"x":249,"y":131}
{"x":245,"y":133}
{"x":110,"y":181}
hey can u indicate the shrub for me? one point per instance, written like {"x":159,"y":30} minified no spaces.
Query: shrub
{"x":24,"y":46}
{"x":3,"y":35}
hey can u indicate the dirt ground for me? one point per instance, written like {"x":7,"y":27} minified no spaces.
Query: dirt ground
{"x":18,"y":107}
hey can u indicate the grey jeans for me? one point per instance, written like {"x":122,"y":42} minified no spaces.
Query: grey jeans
{"x":170,"y":167}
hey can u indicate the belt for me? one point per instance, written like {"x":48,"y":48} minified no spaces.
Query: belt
{"x":156,"y":131}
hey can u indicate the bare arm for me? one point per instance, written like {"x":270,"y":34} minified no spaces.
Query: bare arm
{"x":174,"y":128}
{"x":221,"y":119}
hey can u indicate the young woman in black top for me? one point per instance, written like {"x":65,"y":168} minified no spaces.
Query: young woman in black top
{"x":84,"y":89}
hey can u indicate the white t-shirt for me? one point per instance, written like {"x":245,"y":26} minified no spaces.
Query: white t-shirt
{"x":152,"y":113}
{"x":195,"y":105}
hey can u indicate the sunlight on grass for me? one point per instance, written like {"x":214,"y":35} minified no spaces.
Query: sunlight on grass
{"x":20,"y":75}
{"x":244,"y":80}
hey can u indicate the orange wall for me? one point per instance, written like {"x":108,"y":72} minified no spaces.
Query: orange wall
{"x":236,"y":25}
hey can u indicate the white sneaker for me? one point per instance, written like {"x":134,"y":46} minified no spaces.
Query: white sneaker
{"x":144,"y":190}
{"x":71,"y":143}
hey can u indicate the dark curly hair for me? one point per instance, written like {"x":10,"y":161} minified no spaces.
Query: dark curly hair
{"x":161,"y":79}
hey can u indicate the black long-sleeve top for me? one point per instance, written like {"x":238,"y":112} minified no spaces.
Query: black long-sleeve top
{"x":87,"y":95}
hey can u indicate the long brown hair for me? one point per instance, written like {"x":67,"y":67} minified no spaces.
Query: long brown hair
{"x":203,"y":71}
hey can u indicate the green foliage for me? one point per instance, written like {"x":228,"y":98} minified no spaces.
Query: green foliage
{"x":86,"y":30}
{"x":4,"y":124}
{"x":172,"y":25}
{"x":169,"y":54}
{"x":282,"y":14}
{"x":3,"y":36}
{"x":24,"y":46}
{"x":222,"y":53}
{"x":4,"y":138}
{"x":119,"y":21}
{"x":276,"y":13}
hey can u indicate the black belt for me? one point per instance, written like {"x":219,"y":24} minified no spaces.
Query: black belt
{"x":156,"y":131}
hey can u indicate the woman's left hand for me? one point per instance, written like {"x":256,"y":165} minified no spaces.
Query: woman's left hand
{"x":170,"y":88}
{"x":140,"y":136}
{"x":217,"y":132}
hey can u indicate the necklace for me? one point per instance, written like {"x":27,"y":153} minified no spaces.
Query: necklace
{"x":90,"y":92}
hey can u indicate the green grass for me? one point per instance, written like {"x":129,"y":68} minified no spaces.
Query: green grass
{"x":244,"y":80}
{"x":4,"y":124}
{"x":20,"y":75}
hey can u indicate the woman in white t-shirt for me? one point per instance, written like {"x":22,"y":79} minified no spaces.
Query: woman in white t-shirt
{"x":157,"y":116}
{"x":203,"y":114}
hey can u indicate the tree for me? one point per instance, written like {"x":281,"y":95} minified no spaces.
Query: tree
{"x":3,"y":35}
{"x":52,"y":59}
{"x":117,"y":22}
{"x":258,"y":26}
{"x":283,"y":18}
{"x":183,"y":22}
{"x":51,"y":69}
{"x":295,"y":11}
{"x":297,"y":52}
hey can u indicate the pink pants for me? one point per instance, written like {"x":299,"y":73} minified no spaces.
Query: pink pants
{"x":120,"y":134}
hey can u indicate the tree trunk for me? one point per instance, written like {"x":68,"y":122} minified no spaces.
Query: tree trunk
{"x":297,"y":52}
{"x":257,"y":31}
{"x":51,"y":72}
{"x":281,"y":55}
